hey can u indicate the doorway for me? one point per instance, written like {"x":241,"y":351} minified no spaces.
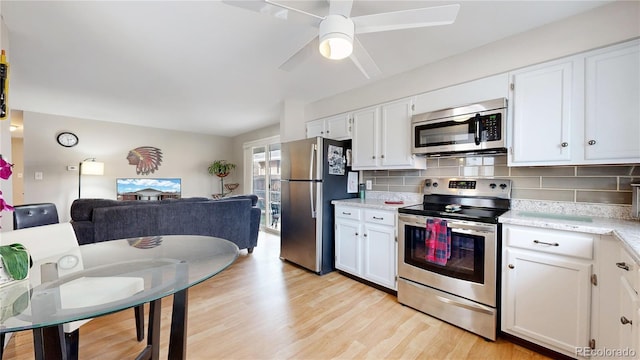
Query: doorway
{"x":265,"y":183}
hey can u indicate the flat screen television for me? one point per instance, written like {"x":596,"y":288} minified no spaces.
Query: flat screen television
{"x":148,"y":188}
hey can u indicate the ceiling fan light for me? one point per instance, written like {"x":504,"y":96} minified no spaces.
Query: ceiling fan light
{"x":336,"y":37}
{"x":336,"y":47}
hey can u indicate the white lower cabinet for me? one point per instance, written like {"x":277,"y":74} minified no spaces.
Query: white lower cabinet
{"x":546,"y":287}
{"x":618,"y":313}
{"x":365,"y":244}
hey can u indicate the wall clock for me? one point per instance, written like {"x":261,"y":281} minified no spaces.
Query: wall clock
{"x":67,"y":139}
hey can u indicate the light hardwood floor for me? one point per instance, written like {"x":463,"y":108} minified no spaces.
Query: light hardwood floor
{"x":264,"y":308}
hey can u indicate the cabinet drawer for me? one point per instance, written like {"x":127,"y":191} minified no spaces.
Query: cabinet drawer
{"x":380,"y":217}
{"x":348,"y":212}
{"x":628,"y":269}
{"x":559,"y":242}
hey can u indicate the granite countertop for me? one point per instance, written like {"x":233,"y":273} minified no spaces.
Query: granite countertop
{"x":371,"y":203}
{"x":627,"y":231}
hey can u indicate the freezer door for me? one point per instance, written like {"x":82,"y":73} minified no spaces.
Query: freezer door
{"x":301,"y":159}
{"x":300,"y":235}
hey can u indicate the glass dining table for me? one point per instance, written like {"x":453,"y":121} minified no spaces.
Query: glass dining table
{"x":102,"y":278}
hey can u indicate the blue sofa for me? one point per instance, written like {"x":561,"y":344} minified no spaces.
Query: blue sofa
{"x":235,"y":218}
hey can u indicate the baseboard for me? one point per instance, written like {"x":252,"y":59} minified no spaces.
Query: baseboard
{"x":535,"y":347}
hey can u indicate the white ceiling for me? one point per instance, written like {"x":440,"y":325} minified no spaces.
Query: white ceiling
{"x":208,"y":67}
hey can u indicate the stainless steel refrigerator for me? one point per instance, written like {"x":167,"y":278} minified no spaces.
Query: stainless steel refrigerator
{"x":314,"y":172}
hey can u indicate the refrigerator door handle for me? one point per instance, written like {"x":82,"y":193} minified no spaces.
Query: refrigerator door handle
{"x":312,"y":161}
{"x":312,"y":158}
{"x":312,"y":198}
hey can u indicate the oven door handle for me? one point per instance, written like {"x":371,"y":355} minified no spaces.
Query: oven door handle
{"x":474,"y":307}
{"x":468,"y":228}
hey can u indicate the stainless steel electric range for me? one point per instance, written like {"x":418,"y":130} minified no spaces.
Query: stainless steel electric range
{"x":461,"y":287}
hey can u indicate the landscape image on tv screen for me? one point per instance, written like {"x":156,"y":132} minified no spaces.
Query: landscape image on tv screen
{"x":148,"y":188}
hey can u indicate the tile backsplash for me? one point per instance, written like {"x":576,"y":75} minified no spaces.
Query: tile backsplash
{"x":599,"y":184}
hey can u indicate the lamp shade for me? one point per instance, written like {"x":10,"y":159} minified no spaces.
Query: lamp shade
{"x":336,"y":37}
{"x":92,"y":168}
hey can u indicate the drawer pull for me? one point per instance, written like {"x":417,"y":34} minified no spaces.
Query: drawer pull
{"x":546,"y":243}
{"x":378,"y":218}
{"x":625,"y":321}
{"x":346,"y":213}
{"x":622,"y":265}
{"x":510,"y":266}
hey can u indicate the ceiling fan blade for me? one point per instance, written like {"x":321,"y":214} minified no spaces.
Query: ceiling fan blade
{"x":310,"y":49}
{"x":278,"y":10}
{"x":406,"y":19}
{"x":340,"y":7}
{"x":363,"y":60}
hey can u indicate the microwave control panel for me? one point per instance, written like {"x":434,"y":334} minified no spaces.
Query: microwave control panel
{"x":491,"y":127}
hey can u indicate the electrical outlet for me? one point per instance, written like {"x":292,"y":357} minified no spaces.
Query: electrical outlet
{"x":38,"y":175}
{"x":368,"y":182}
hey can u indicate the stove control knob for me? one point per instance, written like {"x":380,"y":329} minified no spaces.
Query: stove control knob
{"x":503,"y":186}
{"x":492,"y":185}
{"x":435,"y":184}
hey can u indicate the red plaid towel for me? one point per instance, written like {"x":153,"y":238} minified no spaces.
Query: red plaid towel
{"x":438,"y":241}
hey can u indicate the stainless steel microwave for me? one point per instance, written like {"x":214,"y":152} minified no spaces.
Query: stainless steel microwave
{"x":474,"y":128}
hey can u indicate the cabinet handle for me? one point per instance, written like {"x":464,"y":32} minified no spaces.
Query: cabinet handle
{"x":591,"y":142}
{"x":328,"y":131}
{"x":357,"y":234}
{"x":365,"y":235}
{"x":382,"y":156}
{"x":625,"y":321}
{"x":346,"y":213}
{"x":564,"y":144}
{"x":510,"y":266}
{"x":622,"y":265}
{"x":545,"y":243}
{"x":373,"y":157}
{"x":378,"y":218}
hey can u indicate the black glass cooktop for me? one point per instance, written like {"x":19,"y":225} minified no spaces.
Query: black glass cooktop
{"x":437,"y":207}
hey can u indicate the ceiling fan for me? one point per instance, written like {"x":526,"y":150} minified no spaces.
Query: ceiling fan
{"x":336,"y":39}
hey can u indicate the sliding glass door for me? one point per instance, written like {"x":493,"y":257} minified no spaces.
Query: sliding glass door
{"x":265,"y":182}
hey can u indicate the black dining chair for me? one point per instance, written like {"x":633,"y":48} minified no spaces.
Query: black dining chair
{"x":32,"y":215}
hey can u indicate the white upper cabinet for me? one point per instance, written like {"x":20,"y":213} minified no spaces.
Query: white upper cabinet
{"x":541,"y":109}
{"x":337,"y":127}
{"x":582,"y":109}
{"x":382,"y":137}
{"x":612,"y":112}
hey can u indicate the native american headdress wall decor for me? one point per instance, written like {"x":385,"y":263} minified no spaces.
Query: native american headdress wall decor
{"x":147,"y":159}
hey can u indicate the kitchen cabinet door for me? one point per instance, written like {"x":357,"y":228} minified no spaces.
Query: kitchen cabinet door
{"x":365,"y":138}
{"x":338,"y":127}
{"x":612,"y":116}
{"x":628,"y":320}
{"x":382,"y":137}
{"x":315,"y":128}
{"x":380,"y":255}
{"x":395,"y":136}
{"x":546,"y":299}
{"x":347,"y":246}
{"x":541,"y":109}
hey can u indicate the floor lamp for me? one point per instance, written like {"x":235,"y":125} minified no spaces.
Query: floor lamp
{"x":89,"y":166}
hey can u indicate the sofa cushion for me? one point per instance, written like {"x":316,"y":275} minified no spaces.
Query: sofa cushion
{"x":228,"y":220}
{"x":118,"y":222}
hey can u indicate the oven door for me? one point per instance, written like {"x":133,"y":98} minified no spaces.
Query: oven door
{"x":470,"y":271}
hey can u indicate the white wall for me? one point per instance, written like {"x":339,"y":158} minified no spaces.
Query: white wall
{"x":185,"y":155}
{"x":602,"y":26}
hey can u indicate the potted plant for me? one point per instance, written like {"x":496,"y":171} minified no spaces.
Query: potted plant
{"x":221,"y":168}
